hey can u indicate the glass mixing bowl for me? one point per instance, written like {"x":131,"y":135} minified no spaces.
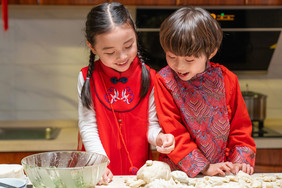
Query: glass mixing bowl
{"x":65,"y":169}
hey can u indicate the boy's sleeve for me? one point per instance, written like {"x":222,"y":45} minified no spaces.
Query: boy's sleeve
{"x":241,"y":147}
{"x":186,"y":154}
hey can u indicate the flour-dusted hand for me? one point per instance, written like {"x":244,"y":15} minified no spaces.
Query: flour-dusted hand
{"x":222,"y":169}
{"x":165,"y":143}
{"x":244,"y":167}
{"x":107,"y":177}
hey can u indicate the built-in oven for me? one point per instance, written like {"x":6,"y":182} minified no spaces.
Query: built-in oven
{"x":250,"y":37}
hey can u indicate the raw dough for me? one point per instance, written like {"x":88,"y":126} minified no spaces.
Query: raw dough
{"x":157,"y":174}
{"x":154,"y":170}
{"x":180,"y":176}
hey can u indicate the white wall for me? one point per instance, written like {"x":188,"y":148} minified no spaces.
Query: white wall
{"x":43,"y":51}
{"x":40,"y":57}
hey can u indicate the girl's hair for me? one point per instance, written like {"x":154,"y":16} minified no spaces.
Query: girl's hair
{"x":102,"y":19}
{"x":190,"y":31}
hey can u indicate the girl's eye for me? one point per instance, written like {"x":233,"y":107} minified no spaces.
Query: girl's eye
{"x":128,"y":47}
{"x":110,"y":53}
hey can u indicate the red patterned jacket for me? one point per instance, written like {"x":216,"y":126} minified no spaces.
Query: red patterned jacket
{"x":208,"y":117}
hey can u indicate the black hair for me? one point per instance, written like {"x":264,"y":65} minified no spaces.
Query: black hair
{"x":100,"y":20}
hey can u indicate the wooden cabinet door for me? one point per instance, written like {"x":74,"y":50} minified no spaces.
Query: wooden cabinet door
{"x":211,"y":2}
{"x":24,"y":2}
{"x":71,"y":2}
{"x":146,"y":2}
{"x":268,"y":161}
{"x":263,"y":2}
{"x":13,"y":157}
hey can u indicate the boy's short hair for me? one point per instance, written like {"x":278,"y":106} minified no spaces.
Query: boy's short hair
{"x":190,"y":31}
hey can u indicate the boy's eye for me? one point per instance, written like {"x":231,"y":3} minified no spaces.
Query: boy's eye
{"x":189,"y":60}
{"x":171,"y":57}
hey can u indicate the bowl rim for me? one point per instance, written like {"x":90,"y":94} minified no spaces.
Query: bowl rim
{"x":66,"y":151}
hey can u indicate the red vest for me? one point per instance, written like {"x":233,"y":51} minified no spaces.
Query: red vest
{"x":109,"y":86}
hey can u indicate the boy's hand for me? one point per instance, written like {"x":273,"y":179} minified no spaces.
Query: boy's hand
{"x":244,"y":167}
{"x":106,"y":177}
{"x":220,"y":169}
{"x":165,"y":143}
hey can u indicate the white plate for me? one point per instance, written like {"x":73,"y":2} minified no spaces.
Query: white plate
{"x":19,"y":183}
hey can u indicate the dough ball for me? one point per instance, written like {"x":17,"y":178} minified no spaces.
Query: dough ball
{"x":180,"y":176}
{"x":154,"y":170}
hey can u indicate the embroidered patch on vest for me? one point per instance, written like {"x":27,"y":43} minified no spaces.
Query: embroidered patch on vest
{"x":113,"y":95}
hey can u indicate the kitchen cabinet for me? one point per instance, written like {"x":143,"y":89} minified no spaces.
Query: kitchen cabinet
{"x":71,"y":2}
{"x":13,"y":157}
{"x":125,"y":2}
{"x":268,"y":160}
{"x":149,"y":2}
{"x":26,"y":2}
{"x":211,"y":2}
{"x":152,"y":2}
{"x":263,"y":2}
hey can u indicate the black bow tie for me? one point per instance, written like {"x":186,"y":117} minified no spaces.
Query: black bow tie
{"x":114,"y":80}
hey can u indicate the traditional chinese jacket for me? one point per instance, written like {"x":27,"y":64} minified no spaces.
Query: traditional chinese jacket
{"x":208,"y":117}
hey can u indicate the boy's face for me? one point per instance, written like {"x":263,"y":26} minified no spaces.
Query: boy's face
{"x":186,"y":67}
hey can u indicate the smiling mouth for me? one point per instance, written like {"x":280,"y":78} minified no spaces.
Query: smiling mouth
{"x":121,"y":64}
{"x":183,"y":74}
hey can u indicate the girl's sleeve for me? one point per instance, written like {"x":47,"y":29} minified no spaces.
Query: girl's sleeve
{"x":241,"y":146}
{"x":87,"y":124}
{"x":186,"y":155}
{"x":154,"y":126}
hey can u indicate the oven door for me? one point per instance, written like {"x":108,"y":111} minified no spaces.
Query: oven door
{"x":241,"y":49}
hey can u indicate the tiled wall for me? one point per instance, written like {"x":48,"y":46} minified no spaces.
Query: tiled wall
{"x":42,"y":53}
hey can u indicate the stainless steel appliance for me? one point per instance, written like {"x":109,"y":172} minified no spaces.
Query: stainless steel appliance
{"x":256,"y":105}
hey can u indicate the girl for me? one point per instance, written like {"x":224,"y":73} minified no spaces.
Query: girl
{"x":116,"y":100}
{"x":200,"y":102}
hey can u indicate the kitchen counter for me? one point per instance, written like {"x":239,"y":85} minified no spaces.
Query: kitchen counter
{"x":67,"y":138}
{"x":273,"y":143}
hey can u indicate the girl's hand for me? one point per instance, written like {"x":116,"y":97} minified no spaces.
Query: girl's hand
{"x":244,"y":167}
{"x":107,"y":177}
{"x":218,"y":169}
{"x":165,"y":143}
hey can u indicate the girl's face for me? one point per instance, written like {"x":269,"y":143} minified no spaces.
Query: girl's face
{"x":187,"y":67}
{"x":116,"y":48}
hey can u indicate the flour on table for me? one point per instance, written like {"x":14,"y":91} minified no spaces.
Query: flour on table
{"x":157,"y":174}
